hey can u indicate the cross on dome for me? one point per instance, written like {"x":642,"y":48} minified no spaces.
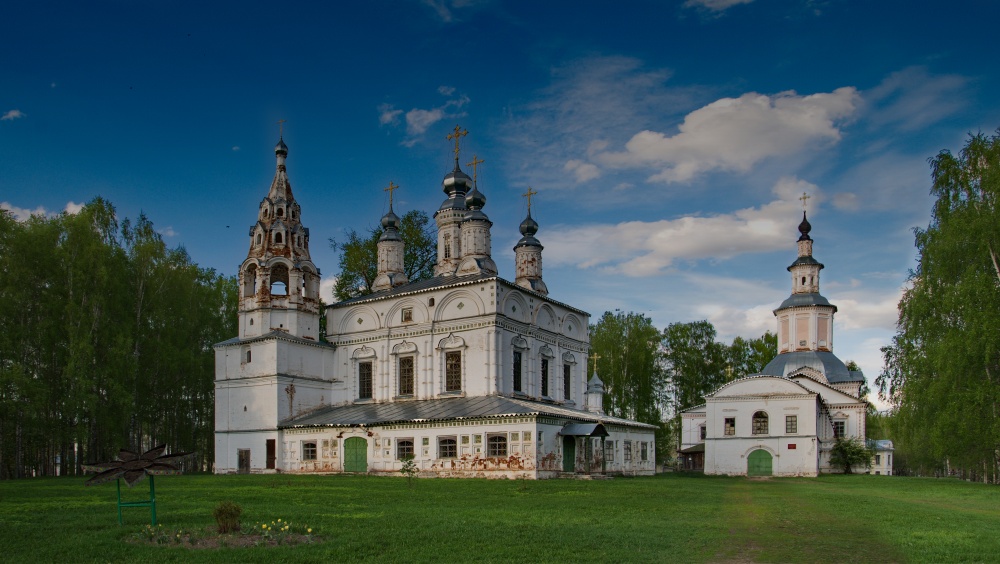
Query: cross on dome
{"x":390,"y":189}
{"x":528,"y":195}
{"x":803,"y":198}
{"x":476,"y":161}
{"x":457,"y":135}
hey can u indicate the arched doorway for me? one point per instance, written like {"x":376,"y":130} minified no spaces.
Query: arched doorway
{"x":355,"y":455}
{"x":759,"y":463}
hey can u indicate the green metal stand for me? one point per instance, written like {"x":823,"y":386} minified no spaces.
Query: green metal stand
{"x":150,"y":503}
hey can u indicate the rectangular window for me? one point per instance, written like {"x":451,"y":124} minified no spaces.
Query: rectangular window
{"x":407,"y":314}
{"x":447,"y":447}
{"x":453,"y":371}
{"x":465,"y":439}
{"x":838,"y":429}
{"x":406,"y":376}
{"x":730,"y":426}
{"x":365,"y":380}
{"x":517,"y":371}
{"x":791,"y":424}
{"x":609,"y":451}
{"x":703,"y":432}
{"x":545,"y":377}
{"x":309,"y":450}
{"x":627,"y":451}
{"x":515,"y":437}
{"x":527,"y":436}
{"x":496,"y":445}
{"x":567,"y":381}
{"x":404,"y":449}
{"x":644,"y":451}
{"x":878,"y":459}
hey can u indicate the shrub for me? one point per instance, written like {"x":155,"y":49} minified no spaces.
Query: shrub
{"x":227,"y":517}
{"x":409,"y":470}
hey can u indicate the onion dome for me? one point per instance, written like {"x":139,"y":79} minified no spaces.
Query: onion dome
{"x":281,"y":148}
{"x":528,"y":229}
{"x":390,"y":227}
{"x":804,"y":228}
{"x":456,"y":181}
{"x":475,"y":199}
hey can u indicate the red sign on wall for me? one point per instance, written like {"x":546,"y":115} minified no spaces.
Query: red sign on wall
{"x":791,"y":446}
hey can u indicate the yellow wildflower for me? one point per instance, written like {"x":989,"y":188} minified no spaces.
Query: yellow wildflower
{"x":263,"y":526}
{"x":309,"y":530}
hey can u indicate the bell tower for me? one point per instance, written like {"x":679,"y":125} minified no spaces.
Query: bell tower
{"x":279,"y":284}
{"x":805,"y":319}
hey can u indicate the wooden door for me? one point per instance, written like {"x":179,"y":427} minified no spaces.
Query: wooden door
{"x":569,"y":454}
{"x":355,"y":455}
{"x":759,"y":463}
{"x":243,"y":460}
{"x":270,"y":455}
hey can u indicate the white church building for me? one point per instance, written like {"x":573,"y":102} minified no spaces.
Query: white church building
{"x":783,"y":421}
{"x":468,"y":373}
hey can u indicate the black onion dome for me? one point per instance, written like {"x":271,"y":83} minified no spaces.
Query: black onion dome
{"x":456,"y":181}
{"x":529,"y":226}
{"x":390,"y":220}
{"x":804,"y":228}
{"x":475,"y":199}
{"x":281,"y":148}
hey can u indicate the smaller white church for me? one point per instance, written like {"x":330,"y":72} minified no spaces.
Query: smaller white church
{"x":783,"y":421}
{"x":467,"y":373}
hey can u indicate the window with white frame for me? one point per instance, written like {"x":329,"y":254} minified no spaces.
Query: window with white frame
{"x":791,"y":424}
{"x":404,"y":449}
{"x":729,"y":427}
{"x":627,"y":451}
{"x":644,"y":451}
{"x":406,"y":376}
{"x":759,"y":423}
{"x":453,"y":371}
{"x":309,"y":450}
{"x":496,"y":445}
{"x":839,"y":429}
{"x":365,"y":380}
{"x":447,"y":447}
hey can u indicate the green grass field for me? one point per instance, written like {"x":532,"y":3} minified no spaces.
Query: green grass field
{"x":670,"y":518}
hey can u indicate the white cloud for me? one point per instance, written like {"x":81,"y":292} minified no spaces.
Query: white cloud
{"x":912,"y":99}
{"x":846,"y":201}
{"x":862,"y":309}
{"x":167,"y":231}
{"x":23,"y":214}
{"x":73,"y":208}
{"x":236,"y":147}
{"x":419,"y":120}
{"x":388,"y":115}
{"x":734,"y":134}
{"x":326,"y":288}
{"x":638,"y":248}
{"x":12,"y":115}
{"x":714,"y":5}
{"x":581,"y":171}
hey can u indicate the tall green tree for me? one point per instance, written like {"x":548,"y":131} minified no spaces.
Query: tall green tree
{"x":942,"y":369}
{"x":695,"y":363}
{"x":358,"y":261}
{"x":627,"y":345}
{"x":745,"y":357}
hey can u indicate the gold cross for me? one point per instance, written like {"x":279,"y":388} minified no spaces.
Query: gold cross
{"x":595,"y":357}
{"x":392,"y":188}
{"x":280,"y":126}
{"x":804,"y":198}
{"x":528,"y":195}
{"x":459,"y":133}
{"x":474,"y":164}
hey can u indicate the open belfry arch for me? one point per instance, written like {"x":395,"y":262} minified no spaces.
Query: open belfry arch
{"x":466,"y":372}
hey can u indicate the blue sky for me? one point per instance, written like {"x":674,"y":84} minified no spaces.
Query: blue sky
{"x":668,"y":141}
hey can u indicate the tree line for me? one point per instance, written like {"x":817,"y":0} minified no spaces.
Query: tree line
{"x":651,"y":375}
{"x":106,"y":341}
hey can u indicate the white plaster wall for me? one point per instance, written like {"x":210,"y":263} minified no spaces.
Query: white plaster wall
{"x":227,"y":445}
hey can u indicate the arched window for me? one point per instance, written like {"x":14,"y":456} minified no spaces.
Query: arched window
{"x":447,"y":447}
{"x":406,"y":376}
{"x":447,"y":245}
{"x":277,"y":238}
{"x":760,"y":423}
{"x":496,"y":445}
{"x":258,"y":239}
{"x":281,"y":212}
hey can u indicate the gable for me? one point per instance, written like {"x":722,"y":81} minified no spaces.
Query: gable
{"x":829,"y":394}
{"x":761,"y":386}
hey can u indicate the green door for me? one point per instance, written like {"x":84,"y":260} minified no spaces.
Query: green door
{"x":569,"y":454}
{"x":759,"y":463}
{"x":355,"y":455}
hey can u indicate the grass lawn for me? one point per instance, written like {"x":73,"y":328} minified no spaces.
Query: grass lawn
{"x":669,"y":518}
